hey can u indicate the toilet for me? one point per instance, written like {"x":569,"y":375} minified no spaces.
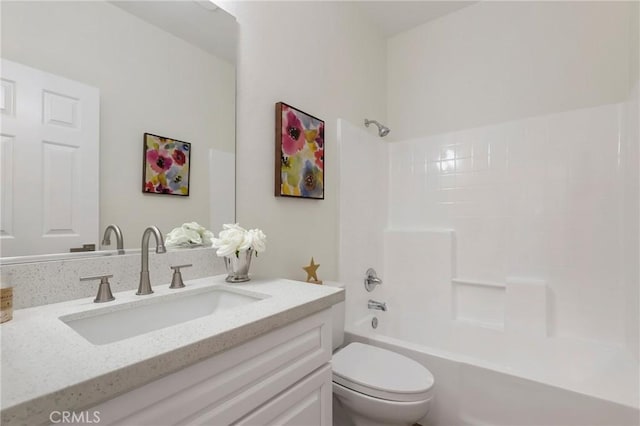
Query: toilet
{"x":376,"y":386}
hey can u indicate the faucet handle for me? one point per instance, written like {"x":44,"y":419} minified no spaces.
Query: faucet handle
{"x":176,"y":281}
{"x":371,"y":279}
{"x":104,"y":289}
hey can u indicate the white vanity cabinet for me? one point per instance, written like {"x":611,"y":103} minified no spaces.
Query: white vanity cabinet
{"x":282,"y":377}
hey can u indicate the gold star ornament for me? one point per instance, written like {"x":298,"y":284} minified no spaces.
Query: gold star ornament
{"x":312,"y":276}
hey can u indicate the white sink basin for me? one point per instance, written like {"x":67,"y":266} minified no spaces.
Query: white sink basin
{"x":112,"y":324}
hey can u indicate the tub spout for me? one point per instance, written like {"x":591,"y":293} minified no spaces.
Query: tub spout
{"x":380,"y":306}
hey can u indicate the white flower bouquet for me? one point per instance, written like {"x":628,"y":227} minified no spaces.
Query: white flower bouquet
{"x":234,"y":239}
{"x":189,"y":234}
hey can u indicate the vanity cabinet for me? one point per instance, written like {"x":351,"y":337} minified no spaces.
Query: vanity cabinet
{"x":281,"y":377}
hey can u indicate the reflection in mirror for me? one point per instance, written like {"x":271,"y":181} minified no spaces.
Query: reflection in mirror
{"x":81,"y":84}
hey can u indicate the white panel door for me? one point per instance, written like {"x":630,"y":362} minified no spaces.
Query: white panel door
{"x":49,"y":156}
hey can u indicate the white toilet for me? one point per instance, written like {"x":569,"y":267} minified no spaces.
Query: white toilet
{"x":376,"y":386}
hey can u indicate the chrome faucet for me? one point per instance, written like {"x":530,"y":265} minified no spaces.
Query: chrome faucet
{"x":145,"y":284}
{"x":371,"y":279}
{"x":106,"y":239}
{"x":381,"y":306}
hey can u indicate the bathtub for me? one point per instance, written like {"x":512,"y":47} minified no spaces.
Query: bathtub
{"x":471,"y":390}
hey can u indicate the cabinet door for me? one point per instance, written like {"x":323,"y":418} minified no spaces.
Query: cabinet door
{"x":307,"y":403}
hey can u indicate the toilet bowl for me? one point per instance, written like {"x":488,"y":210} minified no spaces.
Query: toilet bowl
{"x":375,"y":386}
{"x":379,"y":387}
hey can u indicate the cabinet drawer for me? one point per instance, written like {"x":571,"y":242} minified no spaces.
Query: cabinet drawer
{"x":307,"y":403}
{"x":227,"y":386}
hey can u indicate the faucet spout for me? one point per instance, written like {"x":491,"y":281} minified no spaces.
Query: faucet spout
{"x":380,"y":306}
{"x":106,"y":239}
{"x":145,"y":284}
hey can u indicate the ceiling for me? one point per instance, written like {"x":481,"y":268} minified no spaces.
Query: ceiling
{"x":214,"y":30}
{"x":393,"y":17}
{"x":198,"y":22}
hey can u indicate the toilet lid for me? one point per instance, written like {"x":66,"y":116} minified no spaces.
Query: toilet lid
{"x":381,"y":373}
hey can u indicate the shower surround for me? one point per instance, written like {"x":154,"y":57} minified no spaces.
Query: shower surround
{"x":502,"y":247}
{"x":502,"y":214}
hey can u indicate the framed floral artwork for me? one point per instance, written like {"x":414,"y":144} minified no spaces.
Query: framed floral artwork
{"x":299,"y":154}
{"x":165,"y":166}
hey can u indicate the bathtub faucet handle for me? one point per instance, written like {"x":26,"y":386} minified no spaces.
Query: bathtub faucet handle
{"x":371,"y":280}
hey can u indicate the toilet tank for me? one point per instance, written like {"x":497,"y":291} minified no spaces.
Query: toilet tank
{"x":337,"y":318}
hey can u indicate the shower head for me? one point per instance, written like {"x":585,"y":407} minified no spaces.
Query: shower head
{"x":382,"y":129}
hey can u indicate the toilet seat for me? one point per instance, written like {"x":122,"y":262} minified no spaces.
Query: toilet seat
{"x":380,"y":373}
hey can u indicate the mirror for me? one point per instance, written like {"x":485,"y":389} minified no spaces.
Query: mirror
{"x":160,"y":67}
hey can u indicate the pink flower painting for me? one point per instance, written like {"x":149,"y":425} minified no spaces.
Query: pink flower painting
{"x":166,"y":166}
{"x":299,"y":153}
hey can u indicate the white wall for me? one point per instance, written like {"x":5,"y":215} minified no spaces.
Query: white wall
{"x":539,"y":198}
{"x":149,"y":81}
{"x":538,"y":181}
{"x":363,"y":209}
{"x":519,"y":132}
{"x":325,"y":59}
{"x":497,"y":61}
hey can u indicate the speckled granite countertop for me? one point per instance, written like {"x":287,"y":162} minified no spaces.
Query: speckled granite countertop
{"x":47,"y":366}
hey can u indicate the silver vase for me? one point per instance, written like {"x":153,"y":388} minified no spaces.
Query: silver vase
{"x":238,"y":266}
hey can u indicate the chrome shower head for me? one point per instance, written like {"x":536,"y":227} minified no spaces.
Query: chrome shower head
{"x":382,"y":129}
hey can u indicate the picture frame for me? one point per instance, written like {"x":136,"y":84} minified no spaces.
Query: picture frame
{"x":166,"y":166}
{"x":299,"y":154}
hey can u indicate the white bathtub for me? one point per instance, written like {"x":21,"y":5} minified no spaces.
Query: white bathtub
{"x":472,"y":391}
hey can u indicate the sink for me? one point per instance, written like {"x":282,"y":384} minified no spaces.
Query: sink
{"x":112,"y":324}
